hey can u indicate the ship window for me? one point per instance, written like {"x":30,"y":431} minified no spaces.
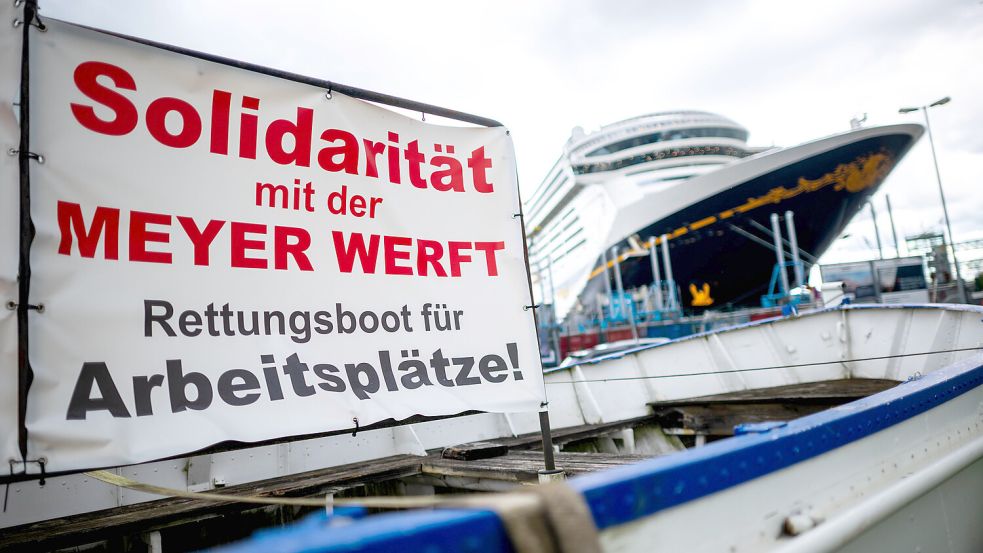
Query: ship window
{"x":547,"y":195}
{"x":550,"y":233}
{"x":689,"y":163}
{"x":665,"y":179}
{"x":570,"y":249}
{"x":677,"y":134}
{"x":566,"y":240}
{"x":557,"y":221}
{"x":544,"y":187}
{"x":663,"y":154}
{"x":570,"y":224}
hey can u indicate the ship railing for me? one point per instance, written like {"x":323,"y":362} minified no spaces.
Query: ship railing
{"x":778,"y":291}
{"x":660,"y":302}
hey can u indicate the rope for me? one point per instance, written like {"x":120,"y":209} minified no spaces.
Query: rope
{"x":771,"y":368}
{"x":552,"y":518}
{"x":407,"y":502}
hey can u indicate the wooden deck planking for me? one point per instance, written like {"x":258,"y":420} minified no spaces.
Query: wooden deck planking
{"x":523,"y":466}
{"x":823,"y":392}
{"x":717,"y":415}
{"x":143,"y":517}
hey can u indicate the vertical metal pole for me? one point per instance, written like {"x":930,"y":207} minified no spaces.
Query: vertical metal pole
{"x":601,"y":337}
{"x":877,"y":233}
{"x":673,"y":301}
{"x":544,"y":416}
{"x":793,"y":242}
{"x":877,"y":281}
{"x":656,"y":277}
{"x":894,"y":232}
{"x":945,"y":209}
{"x":607,"y":277}
{"x":776,"y":234}
{"x":546,"y":324}
{"x":621,"y":294}
{"x":542,"y":284}
{"x":544,"y":428}
{"x":549,"y":275}
{"x":554,"y":328}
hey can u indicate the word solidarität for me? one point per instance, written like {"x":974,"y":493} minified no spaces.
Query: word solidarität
{"x":96,"y":389}
{"x":340,"y":151}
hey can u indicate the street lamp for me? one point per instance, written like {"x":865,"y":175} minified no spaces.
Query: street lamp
{"x":938,"y":178}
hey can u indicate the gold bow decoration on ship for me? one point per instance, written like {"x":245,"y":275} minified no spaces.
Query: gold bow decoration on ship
{"x":701,"y":297}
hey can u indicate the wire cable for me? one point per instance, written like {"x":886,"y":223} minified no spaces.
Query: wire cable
{"x":771,"y":368}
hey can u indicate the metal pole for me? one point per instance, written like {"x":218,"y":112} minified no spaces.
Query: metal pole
{"x":549,"y":275}
{"x":329,"y":86}
{"x":544,"y":416}
{"x":621,"y":294}
{"x":894,"y":232}
{"x":673,"y":302}
{"x":877,"y":283}
{"x":554,"y":329}
{"x":877,"y":234}
{"x":542,"y":283}
{"x":656,"y":277}
{"x":544,"y":323}
{"x":601,"y":337}
{"x":794,"y":246}
{"x":544,"y":428}
{"x":607,"y":277}
{"x":809,"y":257}
{"x":945,"y":209}
{"x":776,"y":234}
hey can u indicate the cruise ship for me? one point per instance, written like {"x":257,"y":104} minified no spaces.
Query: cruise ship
{"x":689,"y":178}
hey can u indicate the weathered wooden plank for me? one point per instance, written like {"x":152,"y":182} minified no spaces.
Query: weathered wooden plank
{"x":523,"y":466}
{"x":826,"y":392}
{"x":720,"y":419}
{"x":565,"y":435}
{"x":475,"y":450}
{"x":143,"y":517}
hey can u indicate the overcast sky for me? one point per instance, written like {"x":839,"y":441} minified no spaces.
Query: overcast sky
{"x":789,"y":71}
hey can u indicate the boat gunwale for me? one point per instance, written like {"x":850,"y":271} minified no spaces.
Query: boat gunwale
{"x":769,"y":451}
{"x":631,"y":492}
{"x":766,"y":321}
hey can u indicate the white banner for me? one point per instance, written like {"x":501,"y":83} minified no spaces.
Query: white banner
{"x":10,"y":62}
{"x":224,"y":255}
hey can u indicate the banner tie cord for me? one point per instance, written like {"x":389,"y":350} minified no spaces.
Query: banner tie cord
{"x":12,"y":305}
{"x":37,"y":157}
{"x":36,"y":22}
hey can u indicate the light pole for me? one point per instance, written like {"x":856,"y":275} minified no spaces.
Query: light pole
{"x":877,"y":231}
{"x":938,"y":178}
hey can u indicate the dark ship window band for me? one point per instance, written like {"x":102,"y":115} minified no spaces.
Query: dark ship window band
{"x":539,"y":199}
{"x":561,"y":234}
{"x":676,"y":134}
{"x":671,"y":153}
{"x":570,"y":250}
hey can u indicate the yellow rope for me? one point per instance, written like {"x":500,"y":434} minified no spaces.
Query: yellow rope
{"x":552,"y":517}
{"x":407,"y":502}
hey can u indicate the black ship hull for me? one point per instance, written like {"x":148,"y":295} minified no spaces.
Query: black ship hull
{"x":721,"y":256}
